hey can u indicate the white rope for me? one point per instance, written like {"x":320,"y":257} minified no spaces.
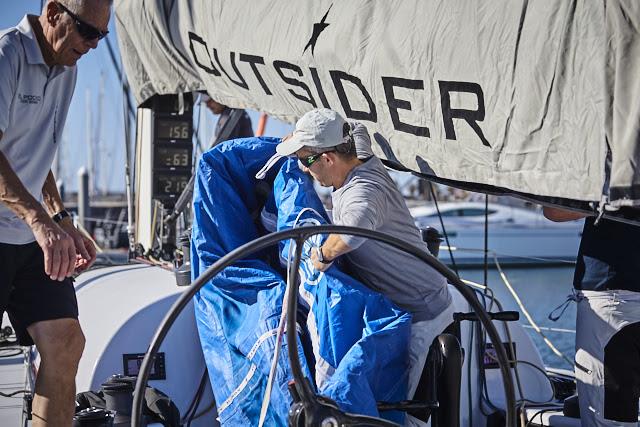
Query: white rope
{"x":532,"y":324}
{"x":281,"y":324}
{"x":524,"y":311}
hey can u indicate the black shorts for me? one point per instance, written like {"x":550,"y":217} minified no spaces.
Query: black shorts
{"x":27,"y":294}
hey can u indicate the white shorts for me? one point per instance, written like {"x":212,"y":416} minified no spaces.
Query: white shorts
{"x":600,"y":316}
{"x":422,"y":335}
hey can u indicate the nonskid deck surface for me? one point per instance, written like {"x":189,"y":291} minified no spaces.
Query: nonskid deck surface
{"x":13,"y":373}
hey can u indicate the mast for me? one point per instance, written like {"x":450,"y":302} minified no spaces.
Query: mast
{"x":102,"y":164}
{"x":89,"y":141}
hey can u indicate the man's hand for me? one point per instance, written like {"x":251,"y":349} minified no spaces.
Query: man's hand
{"x":561,"y":215}
{"x":320,"y":266}
{"x":85,"y":254}
{"x":58,"y":247}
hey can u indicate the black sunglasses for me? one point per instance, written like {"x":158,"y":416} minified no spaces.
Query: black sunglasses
{"x":87,"y":31}
{"x":309,"y":160}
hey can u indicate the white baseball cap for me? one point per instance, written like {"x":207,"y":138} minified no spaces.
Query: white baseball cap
{"x":319,"y":128}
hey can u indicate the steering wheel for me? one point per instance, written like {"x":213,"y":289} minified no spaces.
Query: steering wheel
{"x":317,"y":410}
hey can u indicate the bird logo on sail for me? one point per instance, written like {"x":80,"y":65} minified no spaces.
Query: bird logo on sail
{"x":318,"y":28}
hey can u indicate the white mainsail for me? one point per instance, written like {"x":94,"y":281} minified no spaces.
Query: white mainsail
{"x":522,"y":95}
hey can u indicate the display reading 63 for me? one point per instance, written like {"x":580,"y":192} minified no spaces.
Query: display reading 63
{"x":173,"y":157}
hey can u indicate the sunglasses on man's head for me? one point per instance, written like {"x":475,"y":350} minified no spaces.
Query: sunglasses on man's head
{"x":307,"y":161}
{"x":87,"y":31}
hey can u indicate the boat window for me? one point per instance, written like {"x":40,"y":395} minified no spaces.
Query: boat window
{"x":453,"y":212}
{"x":474,"y":212}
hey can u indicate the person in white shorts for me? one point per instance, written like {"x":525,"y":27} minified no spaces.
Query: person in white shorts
{"x":607,"y":284}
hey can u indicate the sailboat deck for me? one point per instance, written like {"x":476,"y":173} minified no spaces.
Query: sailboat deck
{"x":13,"y":377}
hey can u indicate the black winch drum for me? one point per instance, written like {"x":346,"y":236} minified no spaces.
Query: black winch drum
{"x":93,"y":417}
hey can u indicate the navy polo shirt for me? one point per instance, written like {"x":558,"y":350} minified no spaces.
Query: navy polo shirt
{"x":609,"y":257}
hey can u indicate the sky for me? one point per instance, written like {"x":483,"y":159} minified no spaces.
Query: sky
{"x":95,"y":70}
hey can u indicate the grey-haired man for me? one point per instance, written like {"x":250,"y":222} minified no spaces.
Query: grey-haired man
{"x":339,"y":155}
{"x":39,"y":246}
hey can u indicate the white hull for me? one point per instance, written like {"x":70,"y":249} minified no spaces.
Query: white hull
{"x":513,"y":246}
{"x":516,"y":236}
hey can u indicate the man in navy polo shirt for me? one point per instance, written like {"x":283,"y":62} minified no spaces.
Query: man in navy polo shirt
{"x":607,"y":283}
{"x":39,"y":246}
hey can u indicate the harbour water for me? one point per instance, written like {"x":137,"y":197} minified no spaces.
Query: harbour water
{"x":541,"y":290}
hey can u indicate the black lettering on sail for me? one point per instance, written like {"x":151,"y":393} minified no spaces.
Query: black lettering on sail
{"x":396,"y":104}
{"x":232,"y":55}
{"x":253,"y":60}
{"x":282,"y":65}
{"x":318,"y":83}
{"x":338,"y":77}
{"x":472,"y":117}
{"x":196,"y":38}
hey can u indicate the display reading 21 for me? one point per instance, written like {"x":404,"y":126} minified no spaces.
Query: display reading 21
{"x":171,"y":184}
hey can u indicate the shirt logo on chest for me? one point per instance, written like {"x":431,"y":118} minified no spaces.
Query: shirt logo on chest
{"x":29,"y":99}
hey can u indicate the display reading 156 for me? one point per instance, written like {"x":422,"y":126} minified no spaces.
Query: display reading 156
{"x":173,"y":129}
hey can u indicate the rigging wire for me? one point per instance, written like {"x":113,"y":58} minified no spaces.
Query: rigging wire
{"x":486,"y":238}
{"x":444,"y":231}
{"x":502,"y":254}
{"x":129,"y":109}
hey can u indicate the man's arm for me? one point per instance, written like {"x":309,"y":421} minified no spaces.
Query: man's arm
{"x":51,"y":196}
{"x":561,"y":215}
{"x":365,"y":205}
{"x":332,"y":248}
{"x":58,"y":247}
{"x":84,"y":247}
{"x":16,"y":197}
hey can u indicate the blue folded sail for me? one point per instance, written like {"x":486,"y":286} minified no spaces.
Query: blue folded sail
{"x":358,"y":339}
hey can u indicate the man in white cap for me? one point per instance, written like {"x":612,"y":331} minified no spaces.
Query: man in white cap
{"x":338,"y":155}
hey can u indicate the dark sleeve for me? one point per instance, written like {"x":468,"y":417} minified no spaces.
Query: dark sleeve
{"x":244,"y":128}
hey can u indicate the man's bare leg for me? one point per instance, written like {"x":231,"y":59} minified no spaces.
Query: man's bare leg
{"x":60,"y":344}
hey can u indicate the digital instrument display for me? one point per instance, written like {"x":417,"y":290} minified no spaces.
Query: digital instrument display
{"x":167,"y":185}
{"x":173,"y":157}
{"x":173,"y":129}
{"x":490,"y":359}
{"x":133,"y":361}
